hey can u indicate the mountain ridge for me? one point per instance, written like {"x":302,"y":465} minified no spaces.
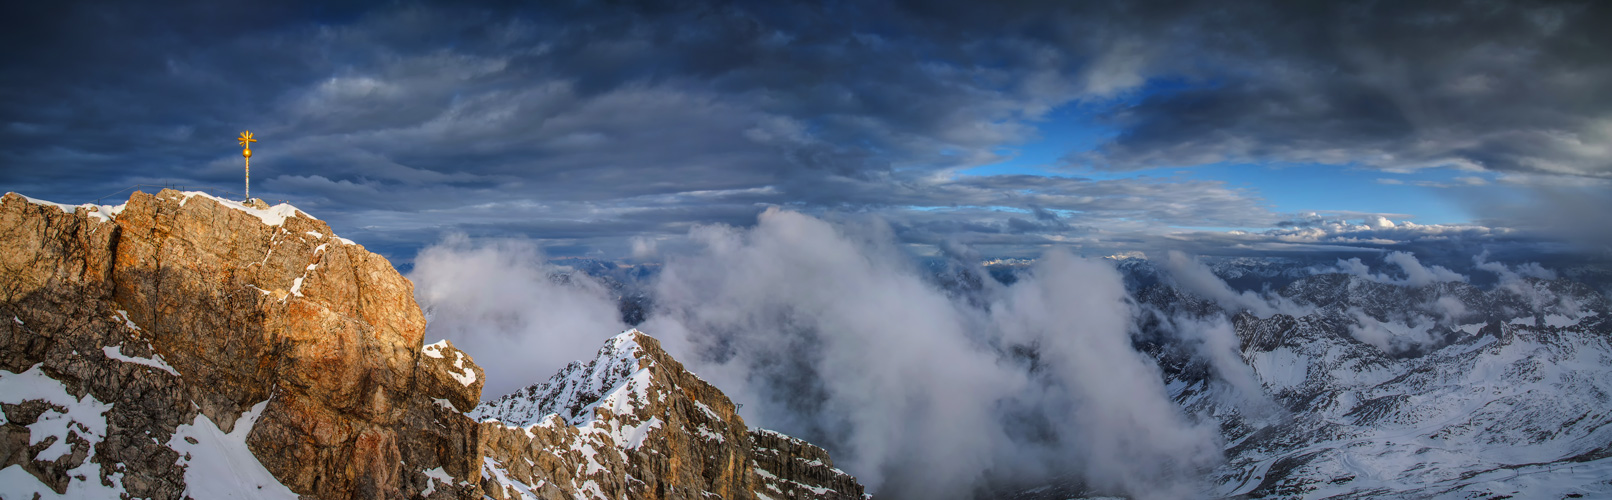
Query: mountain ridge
{"x":1506,"y":397}
{"x":304,"y":352}
{"x":631,"y":397}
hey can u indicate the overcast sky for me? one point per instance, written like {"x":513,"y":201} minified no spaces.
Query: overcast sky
{"x":601,"y":128}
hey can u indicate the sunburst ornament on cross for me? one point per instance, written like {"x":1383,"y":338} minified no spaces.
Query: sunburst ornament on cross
{"x":246,"y":141}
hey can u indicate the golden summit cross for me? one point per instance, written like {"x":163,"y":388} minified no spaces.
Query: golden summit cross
{"x":246,"y":141}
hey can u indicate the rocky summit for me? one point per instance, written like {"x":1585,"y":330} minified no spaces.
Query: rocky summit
{"x":185,"y":346}
{"x":633,"y":423}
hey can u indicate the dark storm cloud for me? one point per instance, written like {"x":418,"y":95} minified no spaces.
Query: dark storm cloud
{"x":1505,"y":86}
{"x":589,"y":123}
{"x":1572,"y":212}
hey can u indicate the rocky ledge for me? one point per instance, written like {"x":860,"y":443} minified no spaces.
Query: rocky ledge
{"x":184,"y":346}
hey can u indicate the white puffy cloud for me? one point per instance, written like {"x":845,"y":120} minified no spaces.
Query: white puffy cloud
{"x":830,"y":332}
{"x":520,"y":317}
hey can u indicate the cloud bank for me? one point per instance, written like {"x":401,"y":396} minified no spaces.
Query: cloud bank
{"x":521,"y":317}
{"x":831,"y":332}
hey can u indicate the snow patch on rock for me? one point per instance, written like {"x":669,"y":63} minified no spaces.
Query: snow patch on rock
{"x":154,"y":362}
{"x":69,"y":419}
{"x":273,"y":216}
{"x":219,"y":465}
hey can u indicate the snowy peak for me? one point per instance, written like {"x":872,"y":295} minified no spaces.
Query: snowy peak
{"x":631,"y":423}
{"x":575,"y":389}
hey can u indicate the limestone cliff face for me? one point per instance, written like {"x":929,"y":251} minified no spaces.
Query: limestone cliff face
{"x":241,"y":306}
{"x":185,"y":346}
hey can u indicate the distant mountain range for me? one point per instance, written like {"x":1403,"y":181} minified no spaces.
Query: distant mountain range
{"x":1508,"y":397}
{"x":182,"y":346}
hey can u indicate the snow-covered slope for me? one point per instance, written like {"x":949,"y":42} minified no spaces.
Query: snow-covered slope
{"x":64,"y":429}
{"x":1508,"y":396}
{"x":1489,"y":414}
{"x":574,"y":392}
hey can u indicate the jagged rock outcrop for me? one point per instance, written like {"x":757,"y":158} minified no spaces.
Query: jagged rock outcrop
{"x":633,"y":423}
{"x":788,"y":467}
{"x":184,"y":346}
{"x":178,"y":303}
